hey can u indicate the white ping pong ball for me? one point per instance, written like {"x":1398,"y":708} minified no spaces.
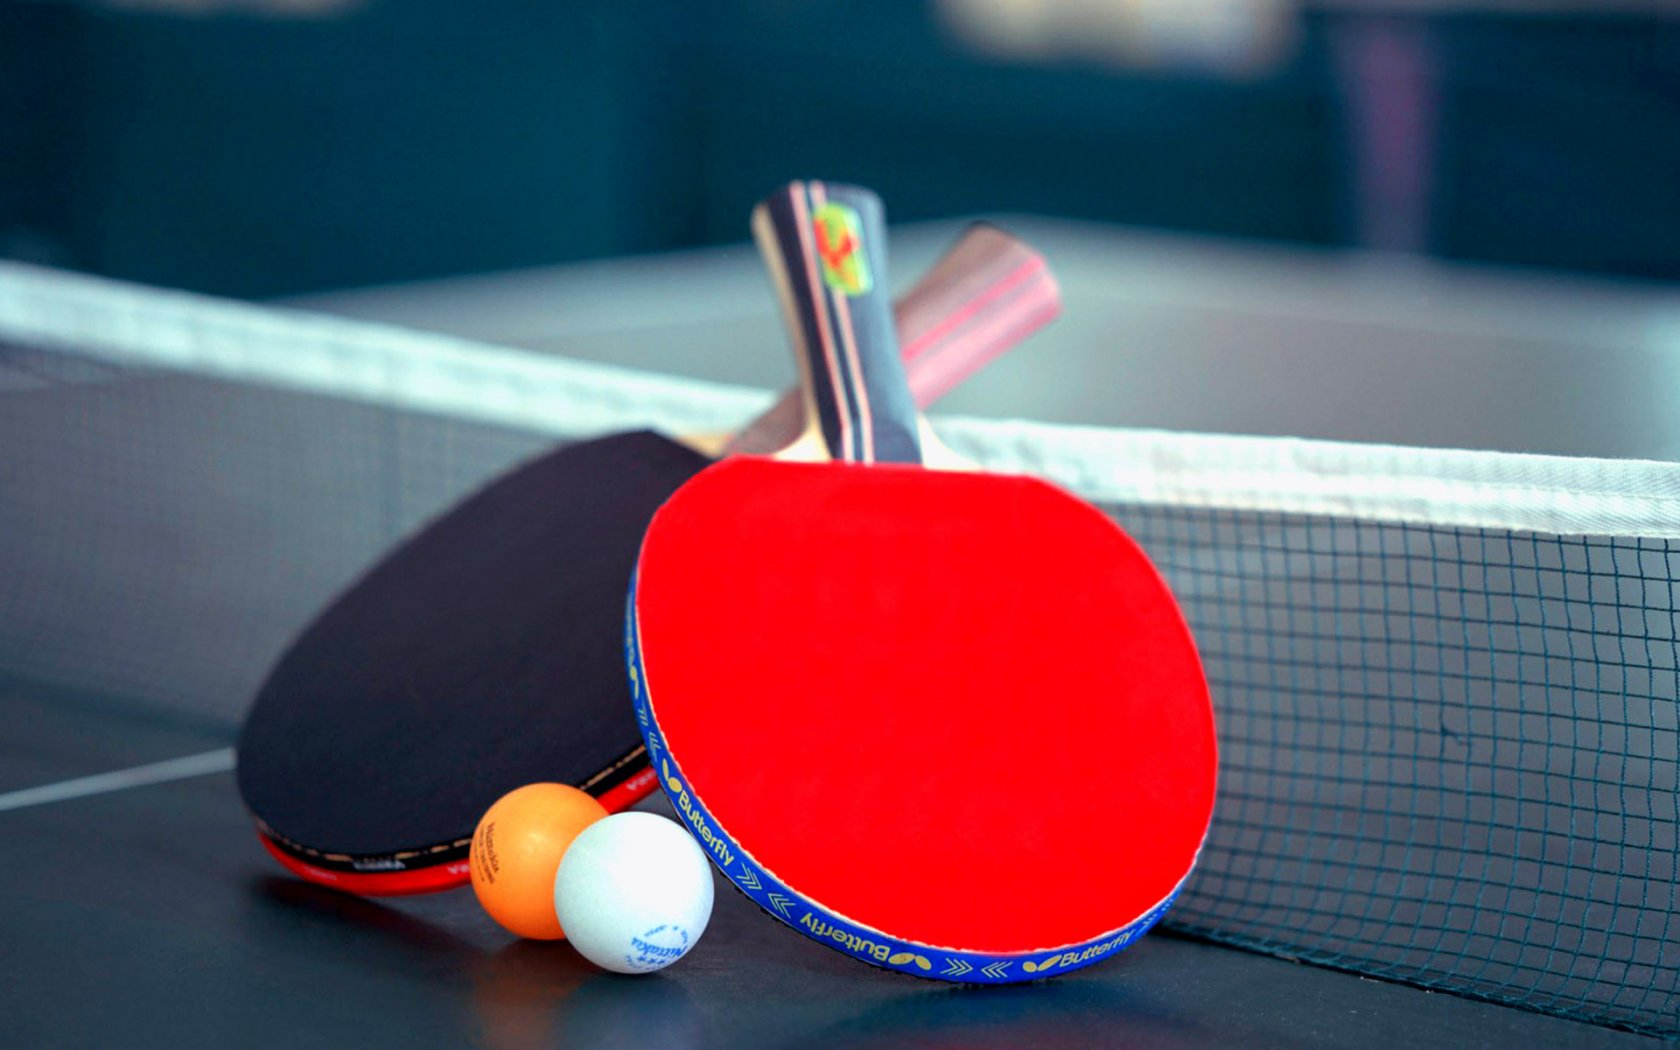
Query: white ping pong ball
{"x":633,"y":892}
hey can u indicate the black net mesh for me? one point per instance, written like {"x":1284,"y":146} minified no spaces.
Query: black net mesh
{"x":1448,"y":755}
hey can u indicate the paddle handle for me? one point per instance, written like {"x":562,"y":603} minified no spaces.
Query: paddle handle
{"x":825,"y":247}
{"x":989,"y":292}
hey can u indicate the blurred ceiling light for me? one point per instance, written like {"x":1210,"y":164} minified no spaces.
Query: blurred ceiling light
{"x":1231,"y":37}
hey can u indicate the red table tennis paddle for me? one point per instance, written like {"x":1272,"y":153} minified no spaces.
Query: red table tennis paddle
{"x":949,"y":723}
{"x":484,"y":652}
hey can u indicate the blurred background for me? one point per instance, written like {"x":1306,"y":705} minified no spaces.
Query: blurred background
{"x":262,"y":148}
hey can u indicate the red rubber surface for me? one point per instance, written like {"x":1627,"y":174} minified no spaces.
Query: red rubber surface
{"x":963,"y":710}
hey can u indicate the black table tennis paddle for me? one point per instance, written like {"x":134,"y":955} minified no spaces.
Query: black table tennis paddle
{"x":484,"y":652}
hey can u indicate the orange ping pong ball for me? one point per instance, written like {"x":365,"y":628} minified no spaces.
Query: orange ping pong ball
{"x":517,"y":848}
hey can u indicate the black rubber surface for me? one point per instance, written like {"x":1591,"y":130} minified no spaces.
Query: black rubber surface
{"x":152,"y":917}
{"x":472,"y":660}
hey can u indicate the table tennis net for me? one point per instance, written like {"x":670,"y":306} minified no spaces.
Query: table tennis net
{"x":1446,"y":682}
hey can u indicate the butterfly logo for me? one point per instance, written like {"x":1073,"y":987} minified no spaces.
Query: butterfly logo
{"x":845,"y":267}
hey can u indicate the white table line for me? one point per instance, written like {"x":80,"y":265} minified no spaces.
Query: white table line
{"x":218,"y":761}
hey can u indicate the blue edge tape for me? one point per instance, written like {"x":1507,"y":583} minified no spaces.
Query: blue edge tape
{"x":826,"y":927}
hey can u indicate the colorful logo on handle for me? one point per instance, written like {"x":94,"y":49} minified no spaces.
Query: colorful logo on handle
{"x":840,"y":246}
